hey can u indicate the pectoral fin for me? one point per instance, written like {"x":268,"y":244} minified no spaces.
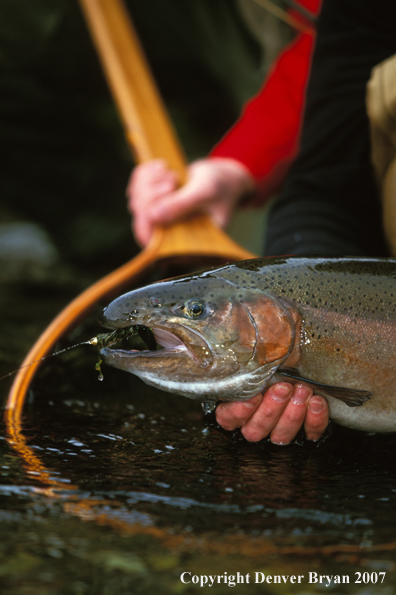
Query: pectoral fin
{"x":350,"y":396}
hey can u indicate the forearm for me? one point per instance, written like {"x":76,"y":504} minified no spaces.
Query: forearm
{"x":265,"y":139}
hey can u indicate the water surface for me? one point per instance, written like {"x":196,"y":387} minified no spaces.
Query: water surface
{"x":115,"y":487}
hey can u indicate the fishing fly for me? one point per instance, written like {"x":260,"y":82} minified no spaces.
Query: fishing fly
{"x":101,"y":340}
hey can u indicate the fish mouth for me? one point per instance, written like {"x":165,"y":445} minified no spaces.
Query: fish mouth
{"x":157,"y":342}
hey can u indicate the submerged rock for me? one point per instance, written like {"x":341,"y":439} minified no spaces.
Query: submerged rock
{"x":26,"y":251}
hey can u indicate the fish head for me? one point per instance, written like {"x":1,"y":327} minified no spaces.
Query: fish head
{"x":214,"y":340}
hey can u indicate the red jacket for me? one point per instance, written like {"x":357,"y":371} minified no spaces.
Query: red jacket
{"x":266,"y":136}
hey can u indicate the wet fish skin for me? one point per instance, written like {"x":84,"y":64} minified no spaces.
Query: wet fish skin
{"x":331,"y":320}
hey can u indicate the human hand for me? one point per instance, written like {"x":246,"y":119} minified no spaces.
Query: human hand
{"x":279,"y":413}
{"x":214,"y":186}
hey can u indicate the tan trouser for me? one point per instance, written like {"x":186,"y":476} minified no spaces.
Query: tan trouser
{"x":381,"y":108}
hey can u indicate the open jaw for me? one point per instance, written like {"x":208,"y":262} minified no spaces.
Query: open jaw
{"x":157,"y":342}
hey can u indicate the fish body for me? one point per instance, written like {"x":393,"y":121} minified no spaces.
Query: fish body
{"x":228,"y":333}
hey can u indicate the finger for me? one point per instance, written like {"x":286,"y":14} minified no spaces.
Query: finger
{"x":147,"y":182}
{"x":178,"y":205}
{"x":220,"y":212}
{"x":142,"y":229}
{"x":293,"y":416}
{"x":153,"y":207}
{"x":151,"y":169}
{"x":142,"y":171}
{"x":233,"y":415}
{"x":268,"y":413}
{"x":146,"y":193}
{"x":199,"y":192}
{"x":317,"y":418}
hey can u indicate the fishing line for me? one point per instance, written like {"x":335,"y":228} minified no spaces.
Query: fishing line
{"x":93,"y":341}
{"x":100,"y":340}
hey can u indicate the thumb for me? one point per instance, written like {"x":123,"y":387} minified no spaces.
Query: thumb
{"x":177,"y":205}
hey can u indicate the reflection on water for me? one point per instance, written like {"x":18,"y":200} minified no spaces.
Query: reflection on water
{"x":127,"y":487}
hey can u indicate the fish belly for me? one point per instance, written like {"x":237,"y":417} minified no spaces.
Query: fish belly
{"x":351,"y":352}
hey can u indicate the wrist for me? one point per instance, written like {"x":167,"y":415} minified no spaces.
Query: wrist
{"x":236,"y":174}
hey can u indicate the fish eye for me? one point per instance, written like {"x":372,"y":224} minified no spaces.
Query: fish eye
{"x":193,"y":308}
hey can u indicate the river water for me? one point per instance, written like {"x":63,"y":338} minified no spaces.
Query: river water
{"x":114,"y":487}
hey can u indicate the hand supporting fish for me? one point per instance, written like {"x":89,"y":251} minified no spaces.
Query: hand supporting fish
{"x":228,"y":333}
{"x":278,"y":414}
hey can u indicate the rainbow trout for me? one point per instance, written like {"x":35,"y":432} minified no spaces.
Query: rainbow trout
{"x":228,"y":333}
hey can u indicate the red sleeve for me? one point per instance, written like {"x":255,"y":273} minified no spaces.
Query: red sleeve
{"x":266,"y":136}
